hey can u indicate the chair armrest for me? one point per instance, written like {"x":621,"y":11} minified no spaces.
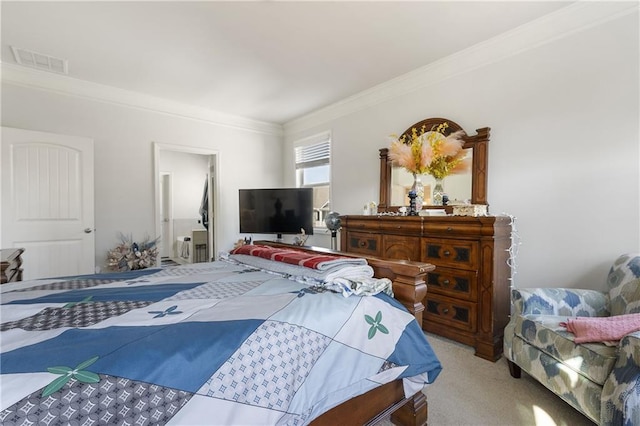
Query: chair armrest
{"x":620,"y":398}
{"x":560,"y":301}
{"x":629,"y":348}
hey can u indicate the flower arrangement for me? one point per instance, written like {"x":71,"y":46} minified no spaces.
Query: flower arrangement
{"x":430,"y":152}
{"x":129,"y":255}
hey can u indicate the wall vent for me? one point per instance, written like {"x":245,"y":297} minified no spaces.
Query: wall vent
{"x":40,"y":61}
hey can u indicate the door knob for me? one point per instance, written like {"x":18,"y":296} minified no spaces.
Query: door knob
{"x":88,"y":230}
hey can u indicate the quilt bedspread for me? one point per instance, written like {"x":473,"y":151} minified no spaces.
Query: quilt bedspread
{"x":211,"y":343}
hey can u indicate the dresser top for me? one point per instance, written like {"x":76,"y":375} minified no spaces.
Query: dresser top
{"x":426,"y":219}
{"x":462,"y":226}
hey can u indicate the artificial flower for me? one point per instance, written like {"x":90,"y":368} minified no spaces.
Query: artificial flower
{"x":430,"y":152}
{"x":129,"y":255}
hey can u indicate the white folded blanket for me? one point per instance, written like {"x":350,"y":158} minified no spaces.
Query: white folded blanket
{"x":360,"y":287}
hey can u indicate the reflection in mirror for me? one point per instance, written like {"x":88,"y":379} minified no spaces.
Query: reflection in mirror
{"x":456,"y":186}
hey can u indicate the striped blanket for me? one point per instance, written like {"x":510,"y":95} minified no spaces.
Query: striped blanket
{"x":321,"y":262}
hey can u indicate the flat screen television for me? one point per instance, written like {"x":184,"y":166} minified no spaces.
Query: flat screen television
{"x":276,"y":211}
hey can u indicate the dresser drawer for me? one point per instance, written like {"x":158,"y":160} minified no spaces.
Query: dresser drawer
{"x":444,"y":229}
{"x":364,"y":243}
{"x":450,"y":312}
{"x":401,"y":225}
{"x":401,"y":247}
{"x":369,"y":223}
{"x":457,"y":283}
{"x":463,"y":254}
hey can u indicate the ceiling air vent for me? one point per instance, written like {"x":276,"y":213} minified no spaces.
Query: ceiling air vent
{"x":40,"y":61}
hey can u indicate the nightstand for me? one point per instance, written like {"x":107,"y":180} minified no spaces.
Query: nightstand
{"x":10,"y":262}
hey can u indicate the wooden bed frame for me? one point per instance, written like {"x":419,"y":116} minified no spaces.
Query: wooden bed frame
{"x":410,"y":289}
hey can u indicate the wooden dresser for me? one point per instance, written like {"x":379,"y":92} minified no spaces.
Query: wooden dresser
{"x":468,"y":292}
{"x":10,"y":262}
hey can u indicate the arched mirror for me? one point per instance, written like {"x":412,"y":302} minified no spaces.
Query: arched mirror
{"x":395,"y":181}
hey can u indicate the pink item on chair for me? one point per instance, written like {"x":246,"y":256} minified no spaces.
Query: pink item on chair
{"x":602,"y":329}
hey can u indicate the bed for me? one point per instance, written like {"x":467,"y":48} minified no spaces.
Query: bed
{"x":243,"y":340}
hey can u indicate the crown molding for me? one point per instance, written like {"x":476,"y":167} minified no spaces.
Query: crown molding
{"x":36,"y":79}
{"x":569,"y":20}
{"x":576,"y":17}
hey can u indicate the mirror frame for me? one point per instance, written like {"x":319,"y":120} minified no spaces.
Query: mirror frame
{"x":478,"y":143}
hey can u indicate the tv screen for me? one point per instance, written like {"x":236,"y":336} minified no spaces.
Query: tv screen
{"x":276,"y":211}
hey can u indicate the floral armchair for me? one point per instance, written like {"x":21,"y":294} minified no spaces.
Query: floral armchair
{"x":600,"y":381}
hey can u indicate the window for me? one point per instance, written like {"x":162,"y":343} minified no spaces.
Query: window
{"x":313,"y":170}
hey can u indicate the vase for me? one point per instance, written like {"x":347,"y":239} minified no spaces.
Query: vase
{"x":438,"y":193}
{"x":418,"y":188}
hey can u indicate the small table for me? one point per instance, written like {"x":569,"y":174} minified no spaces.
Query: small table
{"x":10,"y":262}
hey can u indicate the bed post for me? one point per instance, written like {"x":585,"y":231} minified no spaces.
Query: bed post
{"x":414,"y":412}
{"x":408,"y":279}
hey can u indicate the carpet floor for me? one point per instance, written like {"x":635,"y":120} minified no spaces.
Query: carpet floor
{"x":475,"y":392}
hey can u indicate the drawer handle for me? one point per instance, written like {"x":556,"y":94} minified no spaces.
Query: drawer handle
{"x":446,"y":282}
{"x":445,"y":311}
{"x":362,"y":243}
{"x":447,"y":253}
{"x":449,"y":229}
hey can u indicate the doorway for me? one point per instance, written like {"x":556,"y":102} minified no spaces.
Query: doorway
{"x":166,"y":215}
{"x":186,"y":188}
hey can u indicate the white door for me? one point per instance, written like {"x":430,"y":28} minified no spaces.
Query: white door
{"x":47,"y":201}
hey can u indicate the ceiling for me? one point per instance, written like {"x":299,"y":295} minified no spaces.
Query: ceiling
{"x":267,"y":61}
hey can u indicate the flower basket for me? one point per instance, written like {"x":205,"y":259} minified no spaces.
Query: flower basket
{"x":130,"y":255}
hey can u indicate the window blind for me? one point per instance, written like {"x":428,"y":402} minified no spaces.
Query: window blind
{"x":313,"y":155}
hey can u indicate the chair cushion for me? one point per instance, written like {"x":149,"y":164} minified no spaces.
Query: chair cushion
{"x":624,"y":285}
{"x":592,"y":360}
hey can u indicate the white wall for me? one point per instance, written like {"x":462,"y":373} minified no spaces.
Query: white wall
{"x":124,"y":186}
{"x":563,"y":156}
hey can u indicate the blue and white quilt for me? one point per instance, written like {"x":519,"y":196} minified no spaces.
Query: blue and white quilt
{"x":215,"y":343}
